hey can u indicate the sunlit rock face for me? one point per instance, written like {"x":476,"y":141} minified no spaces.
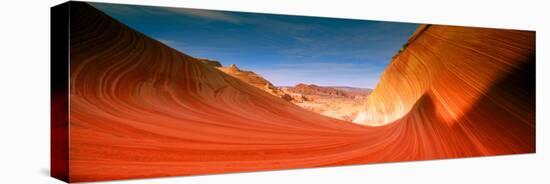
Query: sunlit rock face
{"x":255,"y":80}
{"x":455,"y":67}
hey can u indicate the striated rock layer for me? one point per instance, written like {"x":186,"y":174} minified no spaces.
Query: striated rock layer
{"x":456,"y":67}
{"x":141,"y":109}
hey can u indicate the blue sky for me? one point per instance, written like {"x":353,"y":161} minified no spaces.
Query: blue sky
{"x":285,"y":50}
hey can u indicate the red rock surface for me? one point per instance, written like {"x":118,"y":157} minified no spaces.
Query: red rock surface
{"x":456,"y":67}
{"x":141,"y":109}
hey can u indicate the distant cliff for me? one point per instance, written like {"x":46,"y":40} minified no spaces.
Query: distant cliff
{"x":338,"y":102}
{"x":312,"y":89}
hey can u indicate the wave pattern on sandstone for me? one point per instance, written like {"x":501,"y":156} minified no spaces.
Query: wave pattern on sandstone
{"x":455,"y":66}
{"x":141,"y":109}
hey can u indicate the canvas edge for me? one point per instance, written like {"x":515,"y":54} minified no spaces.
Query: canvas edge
{"x":59,"y":91}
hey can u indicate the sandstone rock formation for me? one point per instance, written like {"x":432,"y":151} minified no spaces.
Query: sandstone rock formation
{"x":312,"y":89}
{"x":141,"y":109}
{"x":255,"y":80}
{"x":456,"y":67}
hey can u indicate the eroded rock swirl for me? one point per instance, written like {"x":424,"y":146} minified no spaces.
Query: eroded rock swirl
{"x":141,"y":109}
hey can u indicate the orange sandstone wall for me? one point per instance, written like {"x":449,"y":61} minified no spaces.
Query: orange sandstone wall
{"x":141,"y":109}
{"x":456,"y":66}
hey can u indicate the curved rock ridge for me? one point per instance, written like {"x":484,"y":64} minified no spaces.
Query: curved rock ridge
{"x":141,"y":109}
{"x":255,"y":80}
{"x":455,"y":65}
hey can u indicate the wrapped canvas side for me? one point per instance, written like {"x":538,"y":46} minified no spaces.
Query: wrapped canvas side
{"x":59,"y":129}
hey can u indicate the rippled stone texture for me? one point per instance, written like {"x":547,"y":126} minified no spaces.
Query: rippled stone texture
{"x":456,"y":66}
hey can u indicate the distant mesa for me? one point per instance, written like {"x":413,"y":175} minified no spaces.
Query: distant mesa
{"x":332,"y":91}
{"x":354,"y":91}
{"x":312,"y":89}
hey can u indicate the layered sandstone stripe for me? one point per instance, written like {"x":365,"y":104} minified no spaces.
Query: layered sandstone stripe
{"x":456,"y":66}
